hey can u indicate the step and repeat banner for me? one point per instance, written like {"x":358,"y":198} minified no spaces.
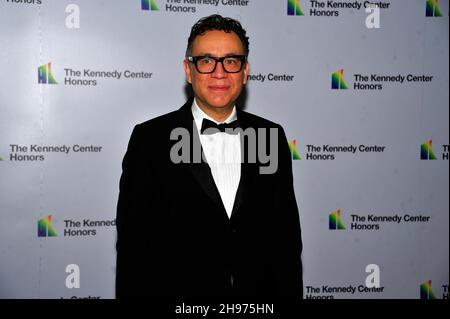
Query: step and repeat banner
{"x":360,"y":87}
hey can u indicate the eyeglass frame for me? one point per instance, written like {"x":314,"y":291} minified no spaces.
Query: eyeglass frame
{"x":195,"y":59}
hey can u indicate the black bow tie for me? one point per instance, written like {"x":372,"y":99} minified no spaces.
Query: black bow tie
{"x":220,"y":127}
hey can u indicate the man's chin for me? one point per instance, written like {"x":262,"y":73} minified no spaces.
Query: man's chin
{"x":218,"y":104}
{"x":221,"y":104}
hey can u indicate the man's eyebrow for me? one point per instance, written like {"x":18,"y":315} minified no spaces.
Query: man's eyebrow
{"x":214,"y":56}
{"x":232,"y":54}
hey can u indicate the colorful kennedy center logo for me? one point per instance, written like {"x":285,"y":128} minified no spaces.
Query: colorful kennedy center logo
{"x":432,"y":9}
{"x":294,"y":8}
{"x":293,"y":149}
{"x":426,"y":151}
{"x":337,"y":80}
{"x":335,"y":222}
{"x":45,"y":75}
{"x":45,"y":228}
{"x":426,"y":292}
{"x":149,"y":5}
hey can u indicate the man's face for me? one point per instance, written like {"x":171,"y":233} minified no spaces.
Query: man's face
{"x":218,"y":89}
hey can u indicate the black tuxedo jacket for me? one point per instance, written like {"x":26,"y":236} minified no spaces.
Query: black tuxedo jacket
{"x":175,"y":239}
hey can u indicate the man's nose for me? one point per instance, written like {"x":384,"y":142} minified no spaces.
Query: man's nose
{"x":219,"y":72}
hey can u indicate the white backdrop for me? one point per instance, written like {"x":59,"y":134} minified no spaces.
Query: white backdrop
{"x":117,"y":64}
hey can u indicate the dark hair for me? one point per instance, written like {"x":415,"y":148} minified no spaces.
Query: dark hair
{"x":217,"y":22}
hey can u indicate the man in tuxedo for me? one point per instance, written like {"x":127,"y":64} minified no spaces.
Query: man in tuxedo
{"x":216,"y":226}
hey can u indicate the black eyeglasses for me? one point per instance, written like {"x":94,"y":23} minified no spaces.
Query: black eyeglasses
{"x":207,"y":64}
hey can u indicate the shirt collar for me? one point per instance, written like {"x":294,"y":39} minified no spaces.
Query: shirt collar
{"x":199,"y":115}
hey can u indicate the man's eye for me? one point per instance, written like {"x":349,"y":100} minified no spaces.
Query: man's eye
{"x":206,"y":61}
{"x":231,"y":61}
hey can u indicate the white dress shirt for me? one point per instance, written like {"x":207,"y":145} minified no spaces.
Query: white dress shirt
{"x":223,"y":154}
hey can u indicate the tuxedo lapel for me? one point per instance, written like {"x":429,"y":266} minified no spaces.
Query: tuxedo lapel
{"x":248,"y":171}
{"x":245,"y":184}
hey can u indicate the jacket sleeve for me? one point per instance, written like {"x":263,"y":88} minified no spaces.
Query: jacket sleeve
{"x":291,"y":278}
{"x":136,"y":194}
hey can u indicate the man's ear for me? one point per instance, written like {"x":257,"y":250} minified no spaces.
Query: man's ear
{"x":246,"y":70}
{"x":187,"y":70}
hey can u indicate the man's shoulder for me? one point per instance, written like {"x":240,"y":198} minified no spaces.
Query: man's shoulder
{"x":158,"y":122}
{"x":164,"y":122}
{"x":258,"y":121}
